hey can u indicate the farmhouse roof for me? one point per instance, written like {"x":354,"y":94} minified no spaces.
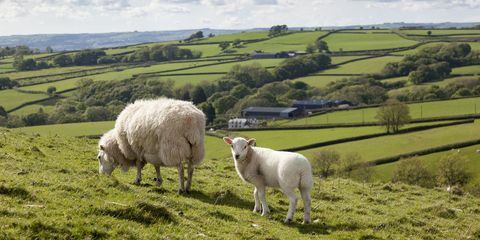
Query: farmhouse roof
{"x":270,"y":109}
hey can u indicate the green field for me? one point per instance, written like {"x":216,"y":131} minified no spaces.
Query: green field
{"x":227,"y":66}
{"x":289,"y":42}
{"x":474,"y":45}
{"x":417,"y":110}
{"x":232,"y":37}
{"x":48,"y":71}
{"x":190,"y":79}
{"x":385,"y":172}
{"x":467,"y":70}
{"x":11,"y":98}
{"x":50,"y":189}
{"x":442,"y":83}
{"x":441,"y":31}
{"x":341,"y":59}
{"x":33,"y":109}
{"x":356,"y":42}
{"x":373,"y":65}
{"x":375,"y":148}
{"x":69,"y":129}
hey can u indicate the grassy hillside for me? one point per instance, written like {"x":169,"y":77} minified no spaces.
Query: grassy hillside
{"x":373,"y":65}
{"x":368,"y":41}
{"x":63,"y":197}
{"x":289,"y":42}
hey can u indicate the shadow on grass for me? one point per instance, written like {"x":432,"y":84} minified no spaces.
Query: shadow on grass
{"x":39,"y":230}
{"x":324,"y":229}
{"x":16,"y":192}
{"x":143,"y":213}
{"x":224,"y":198}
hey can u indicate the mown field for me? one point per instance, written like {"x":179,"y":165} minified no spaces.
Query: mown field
{"x":50,"y":189}
{"x":289,"y":42}
{"x":372,"y":65}
{"x":424,"y":32}
{"x":231,"y":37}
{"x":369,"y":41}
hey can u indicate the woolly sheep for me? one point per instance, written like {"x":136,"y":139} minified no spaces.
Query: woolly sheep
{"x":264,"y":167}
{"x":163,"y":132}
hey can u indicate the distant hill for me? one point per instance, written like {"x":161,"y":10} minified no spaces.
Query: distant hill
{"x":101,"y":40}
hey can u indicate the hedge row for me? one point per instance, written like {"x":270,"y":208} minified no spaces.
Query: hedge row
{"x":187,"y":68}
{"x":375,"y":135}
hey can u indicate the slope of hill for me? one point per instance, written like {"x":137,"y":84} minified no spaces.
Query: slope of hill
{"x":50,"y":188}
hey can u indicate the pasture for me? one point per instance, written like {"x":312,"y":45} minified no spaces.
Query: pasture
{"x":11,"y":98}
{"x":372,"y":65}
{"x":319,"y":81}
{"x":231,"y":37}
{"x":355,"y":42}
{"x":289,"y":42}
{"x":64,"y":197}
{"x":424,"y":32}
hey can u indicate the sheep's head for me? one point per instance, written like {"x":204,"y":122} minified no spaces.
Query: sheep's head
{"x":239,"y":147}
{"x":107,"y":149}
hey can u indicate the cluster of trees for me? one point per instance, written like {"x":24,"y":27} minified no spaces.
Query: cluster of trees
{"x":328,"y":162}
{"x":235,"y":44}
{"x":14,"y":51}
{"x":452,"y":171}
{"x":277,"y":30}
{"x":318,"y":46}
{"x":196,"y":36}
{"x":393,"y":115}
{"x":160,"y":53}
{"x":358,"y":90}
{"x":432,"y":63}
{"x":460,"y":88}
{"x":83,"y":58}
{"x":21,"y":64}
{"x":7,"y":83}
{"x":301,"y":66}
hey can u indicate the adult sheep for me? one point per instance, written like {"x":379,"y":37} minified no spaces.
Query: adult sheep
{"x":163,"y":132}
{"x":265,"y":167}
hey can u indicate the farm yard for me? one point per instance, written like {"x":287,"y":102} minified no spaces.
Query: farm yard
{"x":219,"y":196}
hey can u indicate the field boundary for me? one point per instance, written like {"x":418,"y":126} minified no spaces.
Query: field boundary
{"x":375,"y":135}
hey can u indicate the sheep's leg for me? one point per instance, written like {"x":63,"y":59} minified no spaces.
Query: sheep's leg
{"x":306,"y":204}
{"x":189,"y":177}
{"x":181,"y":187}
{"x":258,"y":206}
{"x":158,"y":179}
{"x":293,"y":204}
{"x":263,"y":200}
{"x":140,"y":165}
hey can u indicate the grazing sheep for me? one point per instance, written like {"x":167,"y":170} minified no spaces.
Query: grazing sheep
{"x":163,"y":132}
{"x":264,"y":167}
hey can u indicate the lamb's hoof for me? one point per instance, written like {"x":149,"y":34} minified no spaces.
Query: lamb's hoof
{"x":257,"y":210}
{"x":137,"y":182}
{"x":287,"y":220}
{"x":265,"y":214}
{"x":158,"y":181}
{"x":305,"y":222}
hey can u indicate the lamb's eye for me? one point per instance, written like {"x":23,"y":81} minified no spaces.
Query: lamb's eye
{"x":244,"y":147}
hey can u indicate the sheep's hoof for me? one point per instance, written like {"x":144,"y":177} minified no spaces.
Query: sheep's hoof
{"x":287,"y":220}
{"x":137,"y":181}
{"x":158,"y":181}
{"x":257,"y":210}
{"x":265,"y":214}
{"x":306,"y":222}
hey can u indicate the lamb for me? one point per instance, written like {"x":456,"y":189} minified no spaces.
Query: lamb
{"x":264,"y":167}
{"x":163,"y":132}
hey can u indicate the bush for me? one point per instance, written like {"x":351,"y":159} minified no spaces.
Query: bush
{"x":97,"y":114}
{"x":452,"y":170}
{"x":324,"y":161}
{"x":62,"y":60}
{"x":348,"y":163}
{"x":412,"y":171}
{"x":34,"y":119}
{"x":393,"y":115}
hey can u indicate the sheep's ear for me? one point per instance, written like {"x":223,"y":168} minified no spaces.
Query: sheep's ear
{"x":252,"y":142}
{"x":227,"y":140}
{"x":102,"y":147}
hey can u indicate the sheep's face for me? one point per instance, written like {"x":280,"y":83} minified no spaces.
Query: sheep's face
{"x":106,"y":163}
{"x":239,"y":147}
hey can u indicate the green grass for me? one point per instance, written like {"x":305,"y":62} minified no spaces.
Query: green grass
{"x":341,"y":59}
{"x":442,"y":83}
{"x":385,"y":172}
{"x":441,"y":31}
{"x":226,"y":67}
{"x":231,"y":37}
{"x":207,"y":49}
{"x":11,"y":98}
{"x":373,"y":65}
{"x":474,"y":45}
{"x":290,"y":42}
{"x":356,"y":42}
{"x":380,"y":147}
{"x":69,"y":129}
{"x":475,"y":69}
{"x":190,"y":79}
{"x":417,"y":110}
{"x":50,"y":189}
{"x":48,"y":71}
{"x":319,"y":81}
{"x":33,"y":109}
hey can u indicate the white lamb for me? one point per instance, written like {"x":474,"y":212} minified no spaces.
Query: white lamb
{"x":163,"y":132}
{"x":264,"y":167}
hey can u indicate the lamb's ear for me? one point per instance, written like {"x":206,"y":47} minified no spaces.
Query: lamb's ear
{"x":227,"y":140}
{"x":252,"y":142}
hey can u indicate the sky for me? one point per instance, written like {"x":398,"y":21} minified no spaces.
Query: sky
{"x":94,"y":16}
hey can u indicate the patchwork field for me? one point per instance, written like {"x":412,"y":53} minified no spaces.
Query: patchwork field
{"x":373,"y":65}
{"x":319,"y":81}
{"x":356,"y":42}
{"x":289,"y":42}
{"x":231,"y":37}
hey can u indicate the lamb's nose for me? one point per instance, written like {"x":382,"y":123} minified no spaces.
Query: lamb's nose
{"x":237,"y":156}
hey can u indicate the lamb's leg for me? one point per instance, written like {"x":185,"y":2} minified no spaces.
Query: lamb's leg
{"x":293,"y":204}
{"x":158,"y":179}
{"x":181,"y":187}
{"x":258,"y":206}
{"x":189,"y":177}
{"x":140,"y":165}
{"x":263,"y":200}
{"x":306,"y":204}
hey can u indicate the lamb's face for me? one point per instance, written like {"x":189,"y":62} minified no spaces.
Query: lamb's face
{"x":239,"y":147}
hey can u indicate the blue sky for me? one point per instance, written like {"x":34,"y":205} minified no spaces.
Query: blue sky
{"x":80,"y":16}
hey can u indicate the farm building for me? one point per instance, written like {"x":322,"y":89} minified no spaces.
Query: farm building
{"x":264,"y":55}
{"x":317,"y":104}
{"x":271,"y":112}
{"x":242,"y":123}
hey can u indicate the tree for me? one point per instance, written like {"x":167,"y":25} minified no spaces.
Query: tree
{"x":3,"y":112}
{"x":224,"y":45}
{"x":393,"y":115}
{"x":277,"y":30}
{"x":429,"y":33}
{"x":194,"y":36}
{"x":97,"y":113}
{"x":87,"y":57}
{"x":6,"y":83}
{"x":225,"y":103}
{"x":49,"y":49}
{"x":35,"y":119}
{"x":62,"y":60}
{"x":236,"y":43}
{"x":51,"y":90}
{"x":413,"y":171}
{"x":310,"y":48}
{"x":25,"y":65}
{"x":321,"y":45}
{"x":348,"y":163}
{"x":198,"y":95}
{"x":324,"y":161}
{"x":453,"y":170}
{"x":211,"y":35}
